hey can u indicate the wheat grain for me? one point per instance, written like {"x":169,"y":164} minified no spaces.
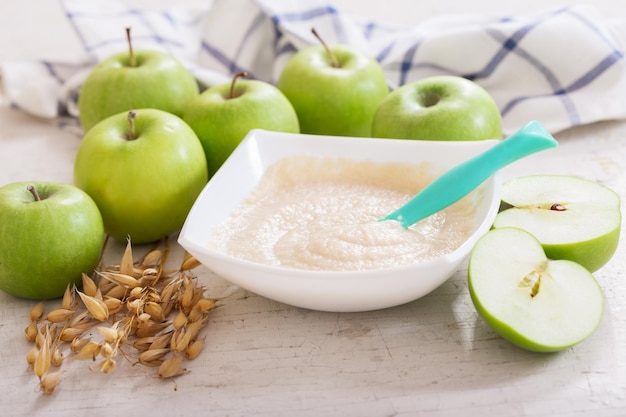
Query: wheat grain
{"x":59,"y":315}
{"x":31,"y":331}
{"x":157,"y":312}
{"x":194,"y":349}
{"x":171,"y":367}
{"x":37,"y":311}
{"x":49,"y":383}
{"x":89,"y":286}
{"x":96,"y":307}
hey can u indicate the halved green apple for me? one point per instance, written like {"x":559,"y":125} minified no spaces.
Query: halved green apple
{"x":536,"y":303}
{"x":573,"y":218}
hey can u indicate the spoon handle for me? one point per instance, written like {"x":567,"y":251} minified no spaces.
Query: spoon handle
{"x":456,"y":183}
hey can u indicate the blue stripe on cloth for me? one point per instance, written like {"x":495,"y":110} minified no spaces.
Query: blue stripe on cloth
{"x":169,"y":18}
{"x":407,"y":62}
{"x":79,"y":34}
{"x":49,"y":66}
{"x":368,"y":29}
{"x":406,"y":66}
{"x":384,"y":52}
{"x":257,"y":22}
{"x":231,"y":64}
{"x":224,"y":60}
{"x":593,"y":27}
{"x":581,"y":82}
{"x":285,"y":49}
{"x":156,"y":37}
{"x":595,"y":72}
{"x":313,"y":14}
{"x":139,"y":14}
{"x":509,"y":45}
{"x":304,"y":15}
{"x":551,"y":78}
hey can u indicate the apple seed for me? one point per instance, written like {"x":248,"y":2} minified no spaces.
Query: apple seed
{"x":333,"y":59}
{"x":557,"y":207}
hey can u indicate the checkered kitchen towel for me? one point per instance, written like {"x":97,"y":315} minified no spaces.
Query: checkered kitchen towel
{"x":563,"y":67}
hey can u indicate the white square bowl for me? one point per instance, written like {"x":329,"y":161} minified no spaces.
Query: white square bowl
{"x":336,"y":291}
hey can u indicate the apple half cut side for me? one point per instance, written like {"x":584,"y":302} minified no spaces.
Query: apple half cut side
{"x":536,"y":303}
{"x":573,"y":218}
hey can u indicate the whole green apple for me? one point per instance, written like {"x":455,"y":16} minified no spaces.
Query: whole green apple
{"x":536,"y":303}
{"x":135,"y":80}
{"x":50,"y":233}
{"x":223,"y":115}
{"x":335,"y":90}
{"x":572,"y":217}
{"x":144,"y":169}
{"x":438,"y":108}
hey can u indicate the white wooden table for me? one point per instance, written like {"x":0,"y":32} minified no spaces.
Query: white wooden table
{"x":431,"y":357}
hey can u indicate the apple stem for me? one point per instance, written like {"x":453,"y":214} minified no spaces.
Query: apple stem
{"x":131,"y":54}
{"x":131,"y":124}
{"x":34,"y":192}
{"x":232,"y":84}
{"x":557,"y":207}
{"x":333,"y":59}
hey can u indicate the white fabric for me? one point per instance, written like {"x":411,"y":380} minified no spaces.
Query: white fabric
{"x":562,"y":67}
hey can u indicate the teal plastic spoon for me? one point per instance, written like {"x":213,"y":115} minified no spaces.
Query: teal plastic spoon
{"x":456,"y":183}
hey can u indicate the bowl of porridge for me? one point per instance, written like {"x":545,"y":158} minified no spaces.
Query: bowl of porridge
{"x":296,"y":218}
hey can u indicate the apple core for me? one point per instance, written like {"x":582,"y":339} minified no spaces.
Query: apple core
{"x":428,"y":99}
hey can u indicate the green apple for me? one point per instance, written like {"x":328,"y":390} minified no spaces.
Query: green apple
{"x":536,"y":303}
{"x":50,"y":233}
{"x":334,"y":89}
{"x":443,"y":107}
{"x":135,"y":80}
{"x":224,"y":114}
{"x":572,"y":217}
{"x":144,"y":169}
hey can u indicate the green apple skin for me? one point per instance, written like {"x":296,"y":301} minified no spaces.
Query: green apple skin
{"x":565,"y":309}
{"x":157,"y":81}
{"x":144,"y":187}
{"x":46,"y":245}
{"x":442,"y":107}
{"x":221,"y":122}
{"x":339,"y":101}
{"x":587,"y":228}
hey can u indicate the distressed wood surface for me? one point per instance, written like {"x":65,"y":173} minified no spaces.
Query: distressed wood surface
{"x":430,"y":357}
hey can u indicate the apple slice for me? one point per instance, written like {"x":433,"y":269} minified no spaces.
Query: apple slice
{"x":536,"y":303}
{"x":573,"y":218}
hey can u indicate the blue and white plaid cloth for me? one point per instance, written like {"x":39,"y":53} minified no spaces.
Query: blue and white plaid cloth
{"x":563,"y":67}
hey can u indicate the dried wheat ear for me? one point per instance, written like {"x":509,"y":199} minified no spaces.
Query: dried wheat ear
{"x":142,"y":312}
